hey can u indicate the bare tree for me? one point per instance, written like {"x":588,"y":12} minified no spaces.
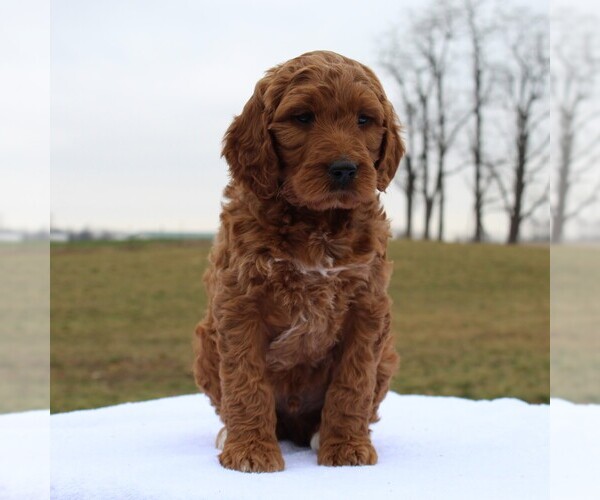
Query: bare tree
{"x":405,"y":74}
{"x":424,"y":92}
{"x":479,"y":31}
{"x":409,"y":183}
{"x":432,"y":36}
{"x":522,"y":81}
{"x":575,"y":71}
{"x":421,"y":74}
{"x":410,"y":72}
{"x":446,"y":41}
{"x":438,"y":30}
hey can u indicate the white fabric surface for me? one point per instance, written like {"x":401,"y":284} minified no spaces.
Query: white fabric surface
{"x":429,"y":448}
{"x":574,"y":451}
{"x":25,"y":455}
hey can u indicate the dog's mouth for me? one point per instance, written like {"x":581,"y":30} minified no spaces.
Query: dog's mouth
{"x":340,"y":184}
{"x":328,"y":198}
{"x":342,"y":198}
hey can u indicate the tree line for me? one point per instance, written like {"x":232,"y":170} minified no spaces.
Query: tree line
{"x":477,"y":97}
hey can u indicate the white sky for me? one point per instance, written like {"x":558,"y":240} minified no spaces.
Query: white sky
{"x":24,"y":113}
{"x":142,"y":92}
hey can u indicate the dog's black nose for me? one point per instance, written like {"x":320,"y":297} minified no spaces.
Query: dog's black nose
{"x":342,"y":172}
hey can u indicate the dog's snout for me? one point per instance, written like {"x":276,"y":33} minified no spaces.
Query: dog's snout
{"x":342,"y":172}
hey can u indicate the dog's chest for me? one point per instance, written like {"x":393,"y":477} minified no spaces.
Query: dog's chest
{"x":308,"y":306}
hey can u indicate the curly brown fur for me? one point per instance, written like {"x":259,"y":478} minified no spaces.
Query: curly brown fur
{"x":296,"y":339}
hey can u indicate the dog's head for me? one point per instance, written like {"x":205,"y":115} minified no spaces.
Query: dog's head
{"x":318,"y":131}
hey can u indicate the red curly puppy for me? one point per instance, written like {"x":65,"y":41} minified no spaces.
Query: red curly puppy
{"x":296,"y":341}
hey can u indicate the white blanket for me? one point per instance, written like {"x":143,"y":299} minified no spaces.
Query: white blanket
{"x":574,"y":451}
{"x":25,"y":455}
{"x":429,"y":448}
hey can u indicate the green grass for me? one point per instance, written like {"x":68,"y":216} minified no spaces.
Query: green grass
{"x":470,"y":321}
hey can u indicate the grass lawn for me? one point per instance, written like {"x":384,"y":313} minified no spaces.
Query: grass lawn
{"x":575,"y":323}
{"x":469,"y":320}
{"x":24,"y":326}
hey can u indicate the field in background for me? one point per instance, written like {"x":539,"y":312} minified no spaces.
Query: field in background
{"x":469,"y":320}
{"x":575,"y":318}
{"x":24,"y":326}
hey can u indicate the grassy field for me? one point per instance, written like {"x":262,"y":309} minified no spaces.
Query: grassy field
{"x":24,"y":326}
{"x":575,"y":321}
{"x":470,"y":321}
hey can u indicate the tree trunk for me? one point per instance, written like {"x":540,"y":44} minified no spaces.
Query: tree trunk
{"x":439,"y":188}
{"x":477,"y":160}
{"x":428,"y":200}
{"x":563,"y":185}
{"x":516,"y":214}
{"x":428,"y":212}
{"x":410,"y":192}
{"x":441,"y":151}
{"x":479,"y":231}
{"x":442,"y":209}
{"x":478,"y":103}
{"x":514,"y":229}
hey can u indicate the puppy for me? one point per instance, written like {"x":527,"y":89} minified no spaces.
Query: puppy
{"x":296,"y":341}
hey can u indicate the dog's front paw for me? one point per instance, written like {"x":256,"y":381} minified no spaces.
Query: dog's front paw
{"x":347,"y":453}
{"x":252,"y":457}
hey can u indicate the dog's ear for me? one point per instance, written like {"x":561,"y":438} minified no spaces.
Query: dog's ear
{"x":248,"y":147}
{"x":392,"y":148}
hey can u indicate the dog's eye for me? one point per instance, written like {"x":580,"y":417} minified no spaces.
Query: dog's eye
{"x":304,"y":118}
{"x":363,"y":119}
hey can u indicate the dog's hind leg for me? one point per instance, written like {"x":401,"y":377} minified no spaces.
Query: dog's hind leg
{"x":386,"y":367}
{"x":206,"y":363}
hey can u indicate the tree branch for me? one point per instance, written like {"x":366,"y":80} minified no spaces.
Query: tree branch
{"x":538,"y":203}
{"x":501,"y":187}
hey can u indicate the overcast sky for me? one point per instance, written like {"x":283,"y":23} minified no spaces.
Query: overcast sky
{"x":142,"y":92}
{"x":24,"y":113}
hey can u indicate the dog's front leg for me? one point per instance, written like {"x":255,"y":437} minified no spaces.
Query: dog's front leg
{"x":248,"y":403}
{"x":344,"y":432}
